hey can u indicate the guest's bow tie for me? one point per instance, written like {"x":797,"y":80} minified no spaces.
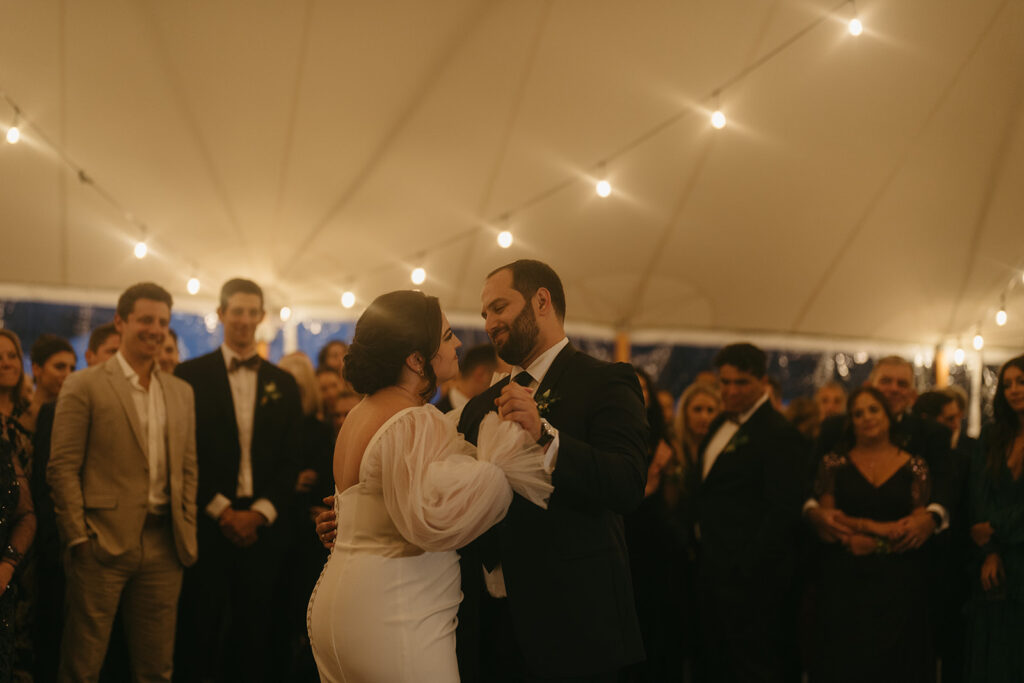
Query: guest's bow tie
{"x":523,"y":379}
{"x":253,"y":363}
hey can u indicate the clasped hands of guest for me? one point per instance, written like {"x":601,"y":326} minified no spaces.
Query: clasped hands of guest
{"x":241,"y":527}
{"x":866,"y":536}
{"x":6,"y":574}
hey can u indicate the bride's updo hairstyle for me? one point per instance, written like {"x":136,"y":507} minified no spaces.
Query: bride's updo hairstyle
{"x":394,"y":326}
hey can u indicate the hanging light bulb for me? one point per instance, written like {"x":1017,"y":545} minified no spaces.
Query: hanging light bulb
{"x":418,"y":276}
{"x":855,"y":27}
{"x":718,"y":120}
{"x":192,"y":286}
{"x":286,"y":314}
{"x":959,"y":355}
{"x":141,"y":250}
{"x":13,"y":135}
{"x":348,"y":299}
{"x":979,"y":342}
{"x":1001,"y":317}
{"x":604,"y":188}
{"x":504,"y":239}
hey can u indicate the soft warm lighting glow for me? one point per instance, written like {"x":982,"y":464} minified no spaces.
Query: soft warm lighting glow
{"x":141,"y":250}
{"x":919,"y":359}
{"x":13,"y":135}
{"x":979,"y":342}
{"x":604,"y":188}
{"x":348,"y":299}
{"x":1001,"y":317}
{"x":419,"y":276}
{"x":856,"y":28}
{"x":316,"y":327}
{"x":959,"y":355}
{"x":193,"y":286}
{"x":286,"y":314}
{"x":211,"y":322}
{"x":504,"y":239}
{"x":718,"y":120}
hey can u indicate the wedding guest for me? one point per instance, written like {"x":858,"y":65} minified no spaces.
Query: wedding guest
{"x":873,"y":603}
{"x":831,"y":399}
{"x":955,"y":422}
{"x":996,"y":608}
{"x":748,"y":513}
{"x":475,"y":372}
{"x":17,"y":527}
{"x":329,"y":385}
{"x":344,"y":402}
{"x":103,"y":343}
{"x":16,"y":444}
{"x":169,"y":356}
{"x":306,"y":555}
{"x":53,"y":360}
{"x":123,"y":477}
{"x":332,"y":356}
{"x":248,"y":429}
{"x":698,"y":406}
{"x":657,"y":555}
{"x":802,"y":413}
{"x":667,"y":403}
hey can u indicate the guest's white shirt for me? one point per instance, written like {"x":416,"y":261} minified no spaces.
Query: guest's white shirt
{"x":243,"y":396}
{"x":538,"y":369}
{"x":152,"y":413}
{"x":457,"y":398}
{"x":726,"y":431}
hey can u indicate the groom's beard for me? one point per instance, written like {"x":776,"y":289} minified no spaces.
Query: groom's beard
{"x":521,"y":338}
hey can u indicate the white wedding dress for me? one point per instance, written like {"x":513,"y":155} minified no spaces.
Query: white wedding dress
{"x":384,"y":607}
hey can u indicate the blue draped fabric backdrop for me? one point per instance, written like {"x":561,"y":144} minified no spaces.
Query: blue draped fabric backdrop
{"x":672,"y":366}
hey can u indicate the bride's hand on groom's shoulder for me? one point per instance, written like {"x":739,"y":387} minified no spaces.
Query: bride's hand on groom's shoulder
{"x":516,"y":403}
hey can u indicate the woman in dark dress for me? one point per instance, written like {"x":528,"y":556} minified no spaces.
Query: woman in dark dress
{"x":873,"y":601}
{"x":995,"y":644}
{"x":17,"y":527}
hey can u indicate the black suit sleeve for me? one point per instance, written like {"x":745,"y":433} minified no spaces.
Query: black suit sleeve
{"x":287,"y":458}
{"x":608,"y":468}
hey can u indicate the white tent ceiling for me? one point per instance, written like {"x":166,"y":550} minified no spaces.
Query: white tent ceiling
{"x":863,"y":188}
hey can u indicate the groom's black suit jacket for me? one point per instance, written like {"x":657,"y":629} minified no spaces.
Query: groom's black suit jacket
{"x":566,"y":568}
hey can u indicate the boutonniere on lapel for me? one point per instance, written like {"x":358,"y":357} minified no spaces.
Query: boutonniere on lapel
{"x":738,"y":440}
{"x":270,"y":393}
{"x":544,"y":402}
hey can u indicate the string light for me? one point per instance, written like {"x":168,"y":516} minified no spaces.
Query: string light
{"x":286,"y":314}
{"x":1001,"y":317}
{"x":193,"y":286}
{"x":141,"y":250}
{"x":604,"y":188}
{"x":855,"y":27}
{"x":348,"y":299}
{"x":959,"y":355}
{"x":419,"y":276}
{"x":718,"y":120}
{"x":979,"y":342}
{"x":505,"y":239}
{"x":13,"y":135}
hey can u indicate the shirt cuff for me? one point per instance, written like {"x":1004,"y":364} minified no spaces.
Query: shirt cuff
{"x":810,"y":504}
{"x":216,"y":507}
{"x":551,"y":454}
{"x":265,"y":508}
{"x":941,"y":512}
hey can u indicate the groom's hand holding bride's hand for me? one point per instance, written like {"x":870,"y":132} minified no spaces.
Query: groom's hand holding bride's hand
{"x":516,"y":404}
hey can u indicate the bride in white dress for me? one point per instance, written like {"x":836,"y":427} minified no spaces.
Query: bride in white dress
{"x":410,"y":491}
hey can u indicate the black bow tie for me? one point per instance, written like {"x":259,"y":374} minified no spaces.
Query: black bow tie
{"x":523,"y":379}
{"x":253,"y":363}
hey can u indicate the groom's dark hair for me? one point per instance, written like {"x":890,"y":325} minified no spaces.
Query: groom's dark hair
{"x":528,"y":276}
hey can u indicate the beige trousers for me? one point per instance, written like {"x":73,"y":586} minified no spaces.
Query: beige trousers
{"x":145,"y":584}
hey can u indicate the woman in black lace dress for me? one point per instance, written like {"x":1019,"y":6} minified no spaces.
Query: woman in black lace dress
{"x":873,"y":606}
{"x":17,"y":527}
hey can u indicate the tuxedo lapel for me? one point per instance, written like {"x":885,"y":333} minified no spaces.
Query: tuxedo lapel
{"x":222,"y":388}
{"x":174,"y":417}
{"x":557,"y":369}
{"x":119,"y":383}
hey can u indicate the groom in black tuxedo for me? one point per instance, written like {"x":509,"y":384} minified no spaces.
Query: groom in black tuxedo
{"x":248,"y":418}
{"x":748,"y":518}
{"x":547,"y":593}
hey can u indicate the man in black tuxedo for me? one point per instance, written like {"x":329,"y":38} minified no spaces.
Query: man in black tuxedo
{"x":556,"y":603}
{"x":248,"y":421}
{"x":476,"y":369}
{"x":748,"y":519}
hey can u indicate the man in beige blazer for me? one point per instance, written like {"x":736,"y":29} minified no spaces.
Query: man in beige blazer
{"x":123,"y":475}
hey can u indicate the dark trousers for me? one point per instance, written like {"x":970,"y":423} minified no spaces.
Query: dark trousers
{"x":227,"y":614}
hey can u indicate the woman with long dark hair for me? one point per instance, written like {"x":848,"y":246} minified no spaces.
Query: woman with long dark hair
{"x":996,"y":610}
{"x":408,"y":493}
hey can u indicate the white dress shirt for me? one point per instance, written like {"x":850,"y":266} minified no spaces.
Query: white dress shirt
{"x":243,"y":396}
{"x":457,"y":398}
{"x":495,"y":580}
{"x":152,"y":413}
{"x":726,"y":431}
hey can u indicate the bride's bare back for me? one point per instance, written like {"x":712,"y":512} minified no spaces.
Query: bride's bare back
{"x":362,"y":423}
